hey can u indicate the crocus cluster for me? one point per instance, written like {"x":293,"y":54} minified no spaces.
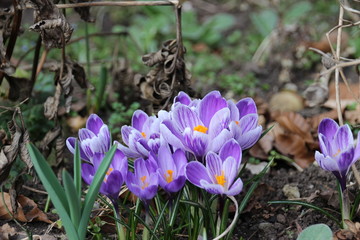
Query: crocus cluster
{"x":199,"y":140}
{"x":338,"y":151}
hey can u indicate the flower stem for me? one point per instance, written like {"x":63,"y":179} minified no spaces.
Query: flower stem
{"x":345,"y":207}
{"x":119,"y":227}
{"x":145,"y":234}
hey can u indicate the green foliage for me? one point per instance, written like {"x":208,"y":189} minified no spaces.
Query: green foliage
{"x":240,"y":85}
{"x":121,"y":115}
{"x":316,"y":232}
{"x":264,"y":21}
{"x":67,"y":200}
{"x":297,"y":11}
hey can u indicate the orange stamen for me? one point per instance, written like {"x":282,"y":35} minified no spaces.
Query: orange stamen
{"x":220,"y":179}
{"x":237,"y":122}
{"x":337,"y":153}
{"x":169,"y":178}
{"x":201,"y":128}
{"x":145,"y":184}
{"x":143,"y":134}
{"x":108,"y":173}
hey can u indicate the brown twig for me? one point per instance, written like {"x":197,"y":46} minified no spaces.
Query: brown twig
{"x":115,"y":4}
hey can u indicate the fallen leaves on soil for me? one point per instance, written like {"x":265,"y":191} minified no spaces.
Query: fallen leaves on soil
{"x":27,"y":210}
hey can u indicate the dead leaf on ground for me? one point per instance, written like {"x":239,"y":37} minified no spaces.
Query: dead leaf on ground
{"x":315,"y":120}
{"x":292,"y":137}
{"x":27,"y":210}
{"x":346,"y":96}
{"x":6,"y":231}
{"x":352,"y":232}
{"x":262,"y":148}
{"x":324,"y":45}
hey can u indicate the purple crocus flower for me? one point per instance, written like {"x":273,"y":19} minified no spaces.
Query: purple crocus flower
{"x":244,"y":122}
{"x":142,"y":137}
{"x":95,"y":138}
{"x":338,"y":152}
{"x":114,"y":178}
{"x":183,"y":98}
{"x":201,"y":129}
{"x":144,"y":181}
{"x":171,"y":169}
{"x":220,"y":172}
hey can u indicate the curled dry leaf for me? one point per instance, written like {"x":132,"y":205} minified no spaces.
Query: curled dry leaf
{"x":168,"y":75}
{"x":84,"y":12}
{"x":9,"y":152}
{"x":71,"y":71}
{"x":27,"y":210}
{"x":50,"y":22}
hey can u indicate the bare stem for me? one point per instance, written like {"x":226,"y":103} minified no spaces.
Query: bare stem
{"x":337,"y":72}
{"x":118,"y":4}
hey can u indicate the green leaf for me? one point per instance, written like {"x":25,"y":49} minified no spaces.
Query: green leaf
{"x":73,"y":199}
{"x":297,"y":11}
{"x":94,"y":190}
{"x":316,"y":232}
{"x":77,"y":169}
{"x":264,"y":21}
{"x":54,"y":189}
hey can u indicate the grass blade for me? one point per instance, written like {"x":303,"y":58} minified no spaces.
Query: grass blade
{"x":308,"y":205}
{"x":94,"y":190}
{"x":77,"y":169}
{"x":54,"y":189}
{"x":73,"y":199}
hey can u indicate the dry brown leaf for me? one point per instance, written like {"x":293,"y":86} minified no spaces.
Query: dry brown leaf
{"x":324,"y":46}
{"x":27,"y":210}
{"x":352,"y":232}
{"x":262,"y":148}
{"x":295,"y":123}
{"x":84,"y":12}
{"x":168,"y":76}
{"x":50,"y":22}
{"x":315,"y":120}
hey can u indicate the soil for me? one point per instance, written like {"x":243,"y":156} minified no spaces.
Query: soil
{"x":261,"y":220}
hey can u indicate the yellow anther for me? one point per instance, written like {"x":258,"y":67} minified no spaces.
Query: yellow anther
{"x":201,"y":128}
{"x":145,"y":184}
{"x":143,"y":134}
{"x":220,"y":179}
{"x":169,"y":178}
{"x":237,"y":122}
{"x":109,"y":171}
{"x":337,"y":153}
